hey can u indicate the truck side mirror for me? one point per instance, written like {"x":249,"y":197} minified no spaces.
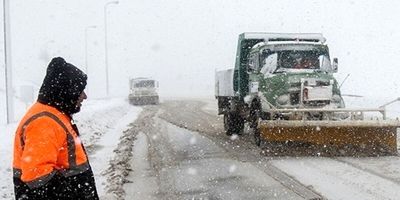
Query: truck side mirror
{"x":335,"y":65}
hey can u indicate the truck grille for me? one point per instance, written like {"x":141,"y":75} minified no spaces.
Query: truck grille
{"x":294,"y":98}
{"x":318,"y":83}
{"x":319,"y":103}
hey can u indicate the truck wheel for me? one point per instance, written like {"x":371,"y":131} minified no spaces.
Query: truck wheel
{"x":228,"y":123}
{"x":233,"y":123}
{"x":238,"y":124}
{"x":257,"y":137}
{"x":255,"y":110}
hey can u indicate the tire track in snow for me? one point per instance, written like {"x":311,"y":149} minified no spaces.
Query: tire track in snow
{"x":366,"y":169}
{"x":184,"y":113}
{"x":338,"y":180}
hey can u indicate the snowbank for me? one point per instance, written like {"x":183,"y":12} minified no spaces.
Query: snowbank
{"x":100,"y":123}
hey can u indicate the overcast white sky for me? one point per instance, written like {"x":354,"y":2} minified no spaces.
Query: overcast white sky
{"x":182,"y":42}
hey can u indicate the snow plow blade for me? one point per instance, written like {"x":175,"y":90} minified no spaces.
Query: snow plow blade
{"x":349,"y":138}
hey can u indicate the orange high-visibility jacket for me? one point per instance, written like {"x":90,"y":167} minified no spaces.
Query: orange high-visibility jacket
{"x":46,"y":143}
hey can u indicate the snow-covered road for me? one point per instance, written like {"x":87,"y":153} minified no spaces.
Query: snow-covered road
{"x":347,"y":178}
{"x":332,"y":178}
{"x":180,"y":164}
{"x":177,"y":150}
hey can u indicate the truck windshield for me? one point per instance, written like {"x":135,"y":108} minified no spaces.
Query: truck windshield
{"x":146,"y":83}
{"x":299,"y":57}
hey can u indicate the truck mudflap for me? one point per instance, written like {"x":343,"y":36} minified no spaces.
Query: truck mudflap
{"x":359,"y":138}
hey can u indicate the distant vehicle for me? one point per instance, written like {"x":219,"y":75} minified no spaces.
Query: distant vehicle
{"x":143,"y":91}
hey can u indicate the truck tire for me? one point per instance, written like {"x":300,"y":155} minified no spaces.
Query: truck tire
{"x":233,"y":123}
{"x":255,"y":116}
{"x":154,"y":101}
{"x":228,"y":124}
{"x":257,"y":137}
{"x":239,"y":124}
{"x":255,"y":110}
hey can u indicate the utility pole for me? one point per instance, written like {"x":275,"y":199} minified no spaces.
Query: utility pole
{"x":7,"y":61}
{"x":86,"y":48}
{"x":86,"y":53}
{"x":105,"y":44}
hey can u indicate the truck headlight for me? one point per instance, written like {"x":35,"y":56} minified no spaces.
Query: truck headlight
{"x":337,"y":99}
{"x":283,"y":99}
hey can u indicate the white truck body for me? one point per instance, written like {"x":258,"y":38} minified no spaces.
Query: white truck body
{"x":224,"y":83}
{"x":143,"y":91}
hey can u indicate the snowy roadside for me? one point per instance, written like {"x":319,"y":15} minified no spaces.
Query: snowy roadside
{"x":355,"y":178}
{"x":100,"y":123}
{"x":6,"y":142}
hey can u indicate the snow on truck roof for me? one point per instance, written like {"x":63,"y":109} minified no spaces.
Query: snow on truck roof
{"x":300,"y":37}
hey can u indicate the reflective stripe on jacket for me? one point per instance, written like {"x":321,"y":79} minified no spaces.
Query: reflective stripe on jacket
{"x":46,"y":142}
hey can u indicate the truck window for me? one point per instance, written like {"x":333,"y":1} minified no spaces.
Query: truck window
{"x":298,"y":59}
{"x":325,"y":63}
{"x":269,"y":63}
{"x":147,"y":83}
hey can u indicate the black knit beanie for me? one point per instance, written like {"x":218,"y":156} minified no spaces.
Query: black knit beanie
{"x":62,"y":86}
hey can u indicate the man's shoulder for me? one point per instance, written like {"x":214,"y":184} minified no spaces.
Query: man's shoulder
{"x":45,"y":112}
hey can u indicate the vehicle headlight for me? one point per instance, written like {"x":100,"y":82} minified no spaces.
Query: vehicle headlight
{"x":283,"y":99}
{"x":338,"y":100}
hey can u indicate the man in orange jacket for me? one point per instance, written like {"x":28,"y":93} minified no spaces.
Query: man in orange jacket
{"x":50,"y":161}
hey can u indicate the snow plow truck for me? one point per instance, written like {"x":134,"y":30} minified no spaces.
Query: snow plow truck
{"x":143,"y":91}
{"x":283,"y":87}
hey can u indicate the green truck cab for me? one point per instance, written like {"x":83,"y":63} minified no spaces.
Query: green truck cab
{"x":277,"y":71}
